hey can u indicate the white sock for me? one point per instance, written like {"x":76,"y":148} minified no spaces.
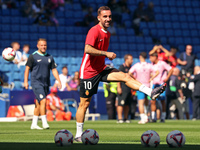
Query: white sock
{"x":142,"y":116}
{"x":35,"y":120}
{"x":153,"y":114}
{"x":44,"y":119}
{"x":145,"y":109}
{"x":163,"y":115}
{"x":143,"y":88}
{"x":79,"y":129}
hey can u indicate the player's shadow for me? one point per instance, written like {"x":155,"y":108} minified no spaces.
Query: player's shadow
{"x":80,"y":146}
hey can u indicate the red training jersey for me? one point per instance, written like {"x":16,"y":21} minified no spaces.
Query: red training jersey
{"x":93,"y":65}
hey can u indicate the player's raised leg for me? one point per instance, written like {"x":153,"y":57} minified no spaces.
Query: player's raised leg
{"x":116,"y":75}
{"x":80,"y":116}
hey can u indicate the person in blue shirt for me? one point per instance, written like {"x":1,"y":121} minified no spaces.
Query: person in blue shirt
{"x":39,"y":64}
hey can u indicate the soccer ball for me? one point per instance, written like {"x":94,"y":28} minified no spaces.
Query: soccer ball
{"x":150,"y":138}
{"x":63,"y":138}
{"x":90,"y":136}
{"x":175,"y":139}
{"x":8,"y":54}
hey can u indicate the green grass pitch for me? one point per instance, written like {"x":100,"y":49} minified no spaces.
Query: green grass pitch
{"x":113,"y":136}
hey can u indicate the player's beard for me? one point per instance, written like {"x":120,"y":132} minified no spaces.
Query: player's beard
{"x":106,"y":25}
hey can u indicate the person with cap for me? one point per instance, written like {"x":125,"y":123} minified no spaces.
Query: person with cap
{"x":110,"y":93}
{"x":55,"y":107}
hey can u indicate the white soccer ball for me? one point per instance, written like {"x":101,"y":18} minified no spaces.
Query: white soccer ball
{"x":150,"y":138}
{"x":63,"y":138}
{"x":175,"y":139}
{"x":8,"y":54}
{"x":90,"y":136}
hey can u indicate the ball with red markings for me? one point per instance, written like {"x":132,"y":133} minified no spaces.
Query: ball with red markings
{"x":90,"y":136}
{"x":63,"y":138}
{"x":8,"y":54}
{"x":175,"y":139}
{"x":150,"y":138}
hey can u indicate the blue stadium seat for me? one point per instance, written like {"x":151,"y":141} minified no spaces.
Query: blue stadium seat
{"x":128,"y":24}
{"x":190,"y":18}
{"x":122,"y":39}
{"x":139,"y":39}
{"x":15,"y":20}
{"x":173,"y":10}
{"x":194,"y":33}
{"x":43,"y":35}
{"x":195,"y":41}
{"x":160,"y":25}
{"x":189,"y":11}
{"x":70,"y":30}
{"x":154,"y":33}
{"x":62,"y":45}
{"x":71,"y":45}
{"x":79,"y":30}
{"x":61,"y":37}
{"x":196,"y":11}
{"x":79,"y":38}
{"x":176,"y":25}
{"x":147,"y":40}
{"x":161,"y":32}
{"x":186,"y":33}
{"x":24,"y":28}
{"x":163,"y":40}
{"x":34,"y":36}
{"x":25,"y":21}
{"x":61,"y":29}
{"x":130,"y":32}
{"x":132,"y":47}
{"x":78,"y":14}
{"x":59,"y":14}
{"x":183,"y":18}
{"x":15,"y":37}
{"x":15,"y":12}
{"x":51,"y":29}
{"x":15,"y":28}
{"x":174,"y":17}
{"x":181,"y":10}
{"x":115,"y":46}
{"x":18,"y":85}
{"x":165,"y":10}
{"x":53,"y":45}
{"x":197,"y":18}
{"x":179,"y":3}
{"x":140,"y":47}
{"x":62,"y":22}
{"x":131,"y":39}
{"x":42,"y":29}
{"x":159,"y":17}
{"x":179,"y":40}
{"x":121,"y":31}
{"x":143,"y":25}
{"x":145,"y":32}
{"x":33,"y":29}
{"x":6,"y":20}
{"x":6,"y":35}
{"x":24,"y":36}
{"x":51,"y":37}
{"x":69,"y":14}
{"x":70,"y":37}
{"x":169,"y":33}
{"x":151,"y":25}
{"x":79,"y":46}
{"x":125,"y":17}
{"x":171,"y":40}
{"x":123,"y":46}
{"x":157,"y":10}
{"x":6,"y":12}
{"x":184,"y":26}
{"x":114,"y":39}
{"x":68,"y":6}
{"x":187,"y":40}
{"x":168,"y":25}
{"x":77,"y":7}
{"x":178,"y":33}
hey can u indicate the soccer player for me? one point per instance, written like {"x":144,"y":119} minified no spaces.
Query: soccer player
{"x":124,"y":92}
{"x":142,"y":71}
{"x":161,"y":78}
{"x":40,"y":63}
{"x":93,"y":68}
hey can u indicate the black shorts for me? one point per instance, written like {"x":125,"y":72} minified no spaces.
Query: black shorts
{"x":125,"y":98}
{"x":40,"y":92}
{"x":89,"y":87}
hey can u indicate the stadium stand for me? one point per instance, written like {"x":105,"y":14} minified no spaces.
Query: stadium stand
{"x":177,"y":23}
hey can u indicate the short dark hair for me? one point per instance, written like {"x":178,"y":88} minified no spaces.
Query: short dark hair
{"x":26,"y":45}
{"x":41,"y":39}
{"x":126,"y":56}
{"x":143,"y":54}
{"x":154,"y":54}
{"x":102,"y":8}
{"x":64,"y":67}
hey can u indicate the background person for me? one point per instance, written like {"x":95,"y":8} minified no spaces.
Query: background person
{"x":39,"y":64}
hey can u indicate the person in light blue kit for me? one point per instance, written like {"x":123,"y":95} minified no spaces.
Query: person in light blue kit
{"x":40,"y":63}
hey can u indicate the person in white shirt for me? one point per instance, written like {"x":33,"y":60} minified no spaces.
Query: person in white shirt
{"x":25,"y":55}
{"x":18,"y":56}
{"x":64,"y":78}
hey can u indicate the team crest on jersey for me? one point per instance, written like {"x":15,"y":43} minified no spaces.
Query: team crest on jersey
{"x":41,"y":96}
{"x":87,"y":92}
{"x":122,"y":102}
{"x":49,"y":60}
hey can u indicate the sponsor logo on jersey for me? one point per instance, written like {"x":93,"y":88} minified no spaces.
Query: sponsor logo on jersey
{"x":39,"y":60}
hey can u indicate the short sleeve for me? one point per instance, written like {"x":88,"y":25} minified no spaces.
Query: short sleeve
{"x":181,"y":56}
{"x":132,"y":70}
{"x":91,"y":37}
{"x":167,"y":66}
{"x":30,"y":61}
{"x":121,"y":68}
{"x":53,"y":64}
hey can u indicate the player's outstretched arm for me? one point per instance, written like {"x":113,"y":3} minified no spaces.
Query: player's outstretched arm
{"x":95,"y":52}
{"x":26,"y":73}
{"x":56,"y":75}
